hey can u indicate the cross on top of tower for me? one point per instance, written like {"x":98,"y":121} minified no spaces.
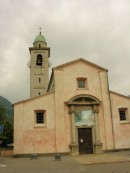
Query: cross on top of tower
{"x":40,"y":29}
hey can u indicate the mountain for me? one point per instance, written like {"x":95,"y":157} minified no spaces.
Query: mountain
{"x":6,"y":104}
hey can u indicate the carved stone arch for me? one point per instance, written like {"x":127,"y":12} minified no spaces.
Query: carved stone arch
{"x":84,"y":99}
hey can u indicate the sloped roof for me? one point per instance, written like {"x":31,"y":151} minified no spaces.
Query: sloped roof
{"x":27,"y":100}
{"x":121,"y":95}
{"x":80,"y":60}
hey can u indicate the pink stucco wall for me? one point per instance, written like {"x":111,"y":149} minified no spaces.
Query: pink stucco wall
{"x":28,"y":138}
{"x":121,"y":128}
{"x":56,"y":135}
{"x":65,"y":90}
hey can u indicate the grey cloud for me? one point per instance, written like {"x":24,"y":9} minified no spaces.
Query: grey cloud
{"x":97,"y":30}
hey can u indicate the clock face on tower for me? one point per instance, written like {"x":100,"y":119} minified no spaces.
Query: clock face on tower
{"x":29,"y":64}
{"x":49,"y":64}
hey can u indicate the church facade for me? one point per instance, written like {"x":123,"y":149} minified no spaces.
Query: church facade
{"x":74,"y":112}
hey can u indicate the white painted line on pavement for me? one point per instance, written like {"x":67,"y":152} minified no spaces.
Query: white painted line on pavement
{"x":2,"y":165}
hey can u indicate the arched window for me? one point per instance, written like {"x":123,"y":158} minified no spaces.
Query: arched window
{"x":39,"y":60}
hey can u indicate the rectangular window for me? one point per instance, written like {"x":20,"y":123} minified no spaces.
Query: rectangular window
{"x":123,"y":114}
{"x":40,"y":118}
{"x":81,"y":82}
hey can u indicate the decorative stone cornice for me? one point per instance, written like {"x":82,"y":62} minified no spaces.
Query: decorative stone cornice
{"x":83,"y":99}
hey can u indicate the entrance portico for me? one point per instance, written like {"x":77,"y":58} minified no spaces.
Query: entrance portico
{"x":85,"y":135}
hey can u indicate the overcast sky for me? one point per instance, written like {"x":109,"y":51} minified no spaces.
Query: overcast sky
{"x":96,"y":30}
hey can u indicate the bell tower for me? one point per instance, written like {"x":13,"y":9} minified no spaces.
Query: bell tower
{"x":39,"y":70}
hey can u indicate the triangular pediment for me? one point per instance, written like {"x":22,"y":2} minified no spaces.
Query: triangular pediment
{"x":72,"y":63}
{"x":79,"y":60}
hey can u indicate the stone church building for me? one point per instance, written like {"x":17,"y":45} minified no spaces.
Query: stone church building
{"x":72,"y":113}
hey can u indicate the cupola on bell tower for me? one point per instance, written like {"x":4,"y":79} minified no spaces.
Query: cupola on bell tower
{"x":39,"y":70}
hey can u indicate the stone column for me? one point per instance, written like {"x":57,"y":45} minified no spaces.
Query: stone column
{"x":98,"y":144}
{"x":73,"y":144}
{"x":73,"y":140}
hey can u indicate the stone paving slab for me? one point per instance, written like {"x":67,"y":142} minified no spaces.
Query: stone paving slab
{"x":113,"y":157}
{"x":40,"y":165}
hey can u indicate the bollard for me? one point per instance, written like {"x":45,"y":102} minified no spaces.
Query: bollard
{"x":57,"y":157}
{"x":33,"y":156}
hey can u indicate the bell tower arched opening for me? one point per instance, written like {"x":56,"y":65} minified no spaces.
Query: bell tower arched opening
{"x":39,"y":60}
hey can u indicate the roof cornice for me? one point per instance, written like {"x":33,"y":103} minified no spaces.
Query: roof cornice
{"x":80,"y":60}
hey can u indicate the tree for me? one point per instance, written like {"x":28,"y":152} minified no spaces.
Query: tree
{"x":7,"y":135}
{"x":2,"y":115}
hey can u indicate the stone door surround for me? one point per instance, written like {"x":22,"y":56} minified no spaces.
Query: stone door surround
{"x":84,"y":101}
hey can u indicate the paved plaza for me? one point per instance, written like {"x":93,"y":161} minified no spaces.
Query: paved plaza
{"x":112,"y":157}
{"x":116,"y":162}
